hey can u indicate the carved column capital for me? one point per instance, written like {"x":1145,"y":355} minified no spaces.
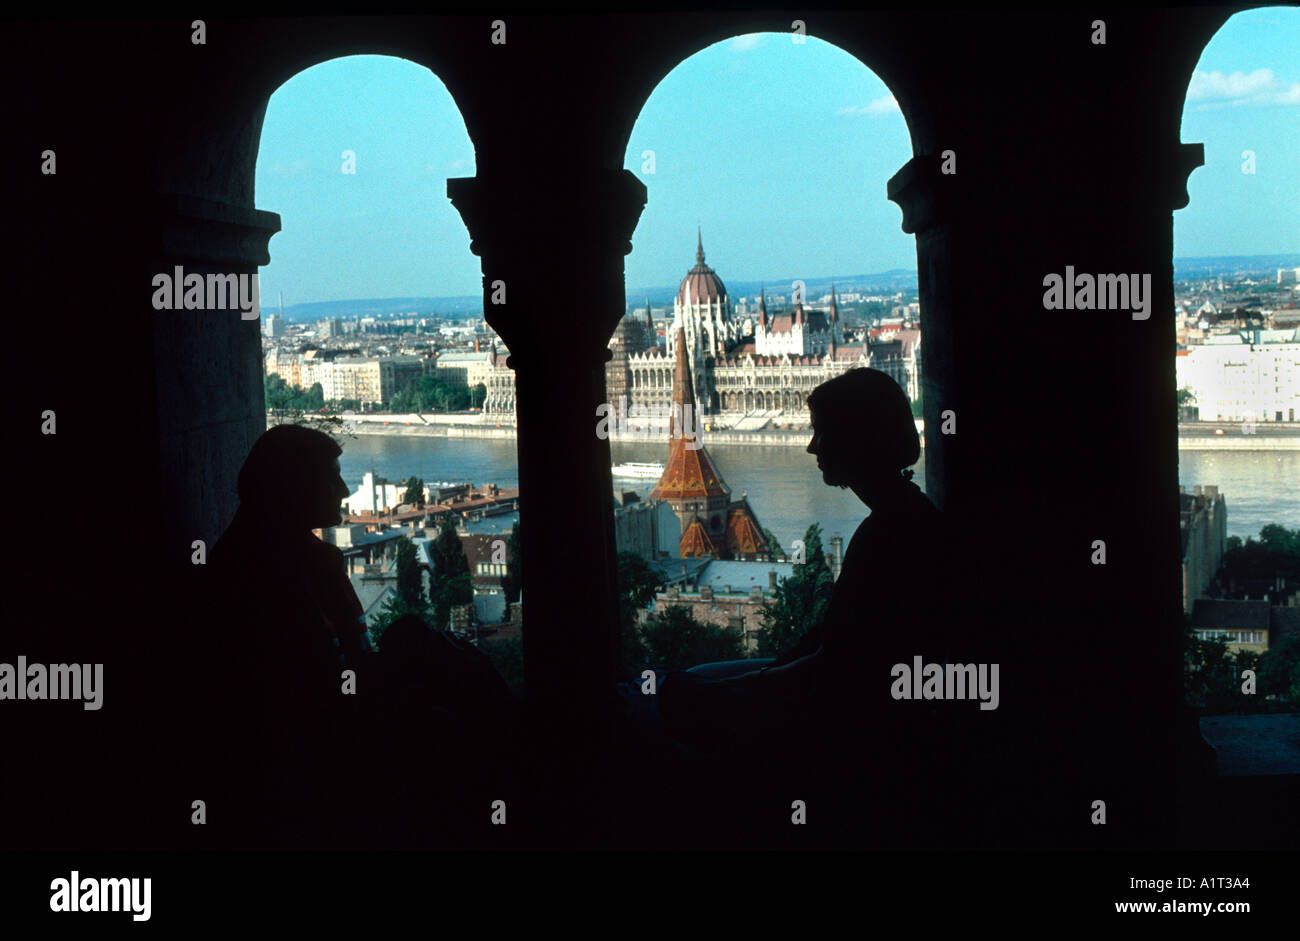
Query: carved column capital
{"x":551,"y":243}
{"x":926,"y":196}
{"x":1187,"y":157}
{"x":213,"y":234}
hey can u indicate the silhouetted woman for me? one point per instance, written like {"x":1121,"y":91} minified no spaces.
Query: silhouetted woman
{"x":825,"y":707}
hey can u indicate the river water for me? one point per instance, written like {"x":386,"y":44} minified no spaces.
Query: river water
{"x":785,"y":488}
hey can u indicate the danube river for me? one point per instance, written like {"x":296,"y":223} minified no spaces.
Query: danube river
{"x":785,"y":488}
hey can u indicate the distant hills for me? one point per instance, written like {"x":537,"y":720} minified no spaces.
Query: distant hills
{"x":470,"y":305}
{"x":884,"y":282}
{"x":1214,"y":266}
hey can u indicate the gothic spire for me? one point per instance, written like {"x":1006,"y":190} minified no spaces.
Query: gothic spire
{"x":699,"y":246}
{"x":683,"y":387}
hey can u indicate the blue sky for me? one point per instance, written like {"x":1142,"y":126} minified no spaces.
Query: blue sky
{"x":1245,"y":95}
{"x":752,"y":139}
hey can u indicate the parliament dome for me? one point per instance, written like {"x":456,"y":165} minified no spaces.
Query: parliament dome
{"x":701,"y":284}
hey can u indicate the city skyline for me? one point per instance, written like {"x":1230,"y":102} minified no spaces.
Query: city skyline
{"x":799,"y":119}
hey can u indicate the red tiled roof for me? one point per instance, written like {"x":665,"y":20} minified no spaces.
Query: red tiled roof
{"x":688,"y":474}
{"x":689,"y":471}
{"x":743,"y":534}
{"x":696,"y":543}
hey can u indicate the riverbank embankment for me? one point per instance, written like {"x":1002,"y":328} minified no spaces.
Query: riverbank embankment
{"x":1202,"y":436}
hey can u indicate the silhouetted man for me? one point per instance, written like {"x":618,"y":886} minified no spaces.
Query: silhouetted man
{"x":287,"y":624}
{"x":313,"y":757}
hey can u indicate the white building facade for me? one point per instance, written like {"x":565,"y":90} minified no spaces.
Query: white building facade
{"x":1251,"y":375}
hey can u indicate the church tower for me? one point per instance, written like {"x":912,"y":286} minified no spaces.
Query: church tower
{"x":713,"y":526}
{"x":690,"y":482}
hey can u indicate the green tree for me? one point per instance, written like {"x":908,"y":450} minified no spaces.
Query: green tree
{"x":414,"y":495}
{"x":272,"y":390}
{"x":1279,"y":673}
{"x":477,"y":395}
{"x":675,"y":640}
{"x":774,"y":547}
{"x":279,"y":395}
{"x":408,"y":598}
{"x":814,"y":554}
{"x":409,"y":582}
{"x":801,"y":600}
{"x":1213,"y":677}
{"x":457,"y":399}
{"x":451,"y":582}
{"x":431,"y":394}
{"x":1280,"y":540}
{"x":1210,"y":682}
{"x":1277,"y":552}
{"x":314,"y":398}
{"x":637,"y":583}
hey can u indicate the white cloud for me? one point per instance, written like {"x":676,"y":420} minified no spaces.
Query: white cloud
{"x":1260,"y":87}
{"x":882,"y":105}
{"x":1289,"y":97}
{"x":747,"y":42}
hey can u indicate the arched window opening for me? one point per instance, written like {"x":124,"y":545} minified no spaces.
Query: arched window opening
{"x":373,"y":331}
{"x":766,"y":261}
{"x":1236,"y":266}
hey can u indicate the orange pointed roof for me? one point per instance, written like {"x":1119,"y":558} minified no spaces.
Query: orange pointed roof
{"x":689,"y":472}
{"x":743,"y":535}
{"x":696,"y":543}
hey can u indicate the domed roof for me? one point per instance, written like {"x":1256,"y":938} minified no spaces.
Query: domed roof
{"x":701,"y":284}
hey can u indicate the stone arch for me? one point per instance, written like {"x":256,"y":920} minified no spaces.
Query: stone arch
{"x":135,"y":207}
{"x":1240,"y":157}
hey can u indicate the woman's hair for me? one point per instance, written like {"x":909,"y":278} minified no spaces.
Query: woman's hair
{"x":281,"y":461}
{"x":867,"y":405}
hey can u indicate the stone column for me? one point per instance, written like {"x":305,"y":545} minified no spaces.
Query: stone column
{"x":208,"y":366}
{"x":1054,"y":450}
{"x":552,"y":254}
